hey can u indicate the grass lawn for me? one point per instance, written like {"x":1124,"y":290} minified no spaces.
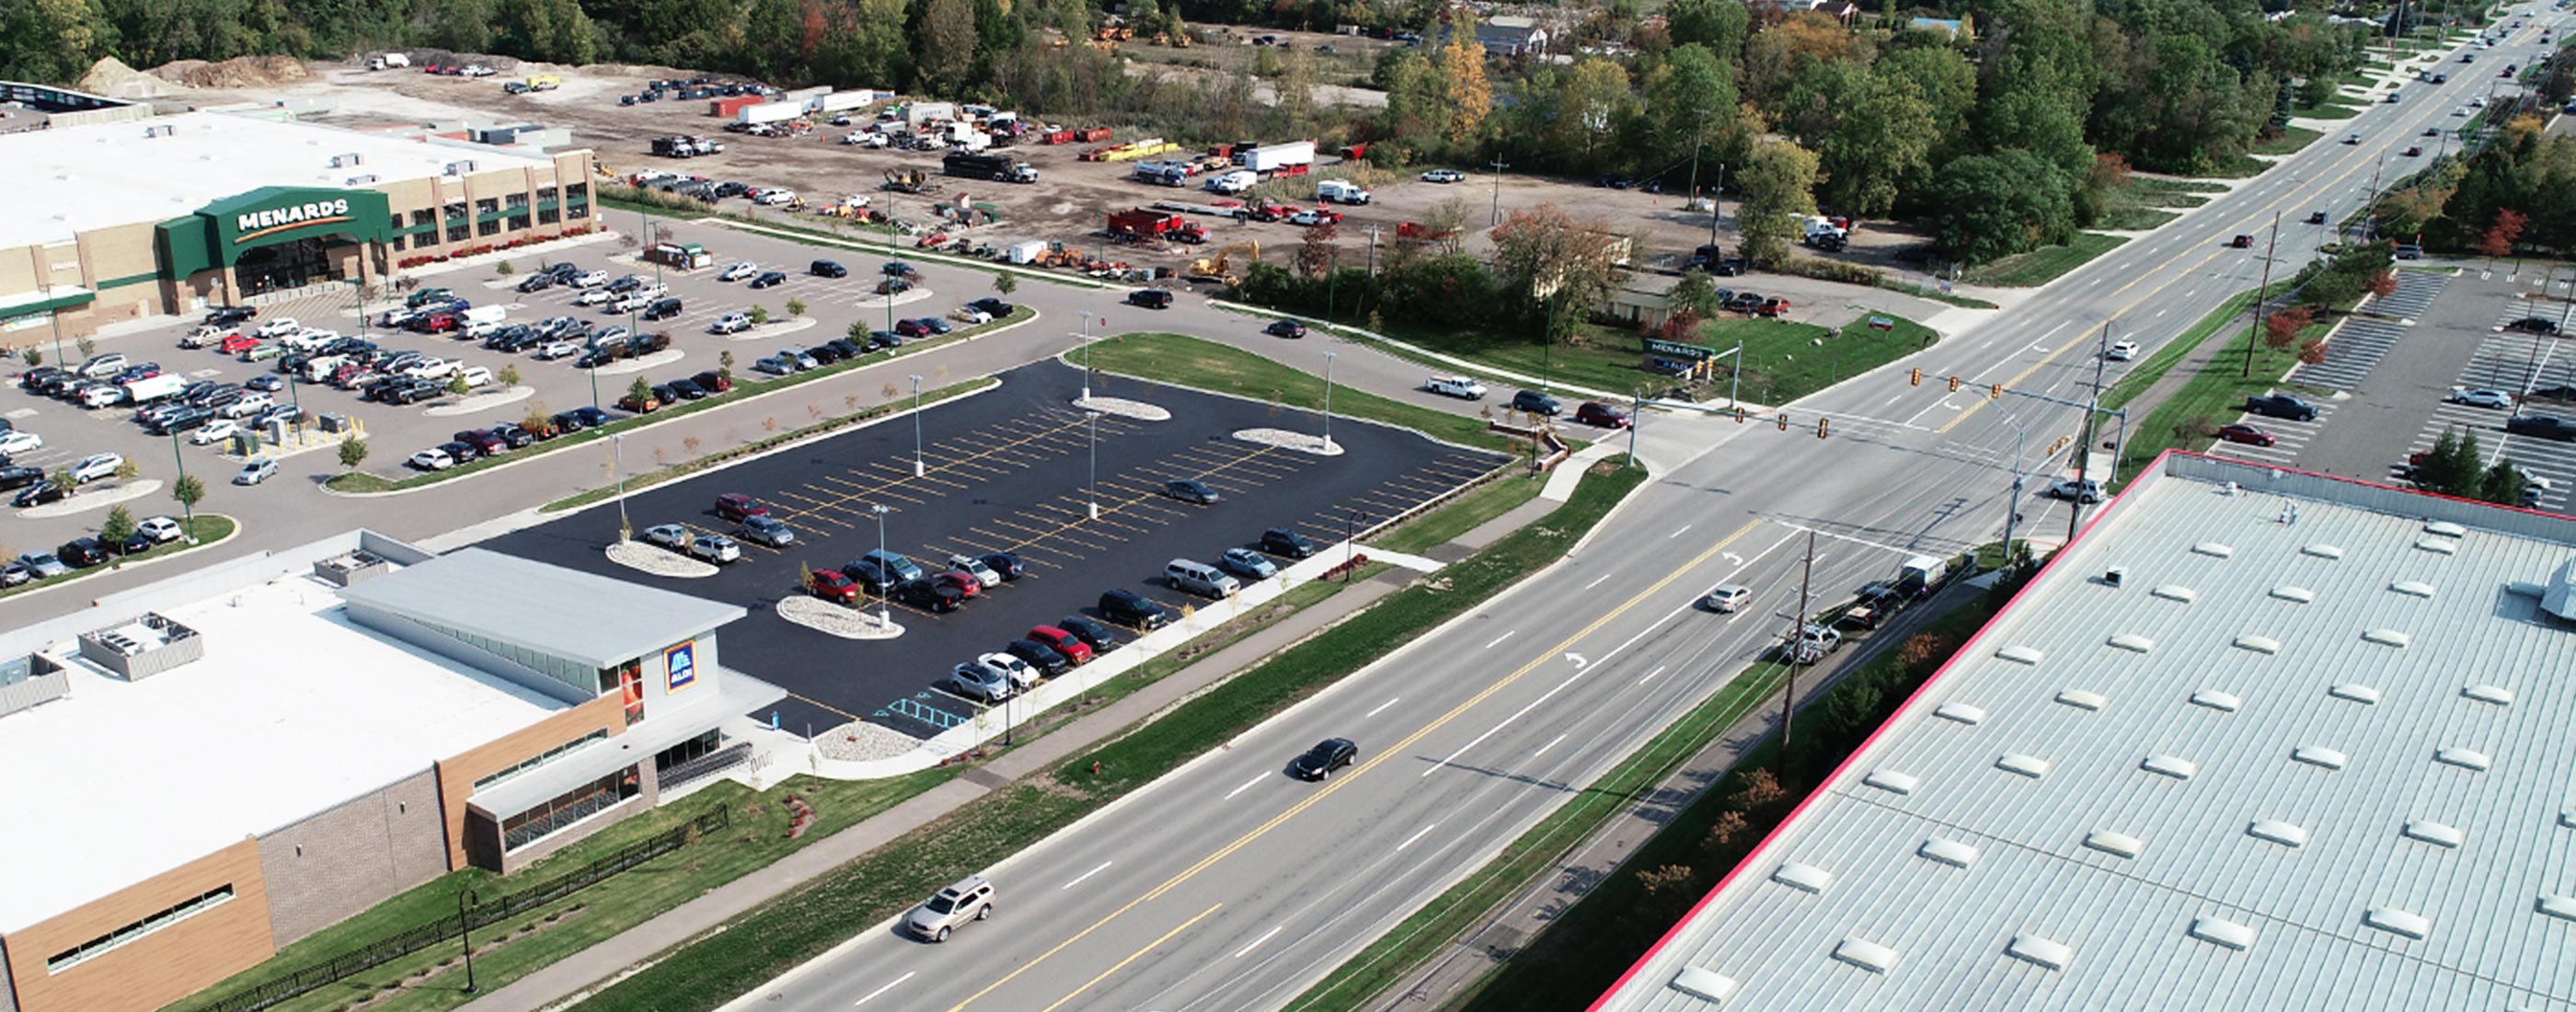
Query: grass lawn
{"x":2238,"y":167}
{"x":1185,"y":361}
{"x":2290,"y":141}
{"x":2045,"y":264}
{"x":2214,"y":393}
{"x":1783,"y":360}
{"x":208,"y":528}
{"x":2333,"y":108}
{"x":721,"y":966}
{"x":1465,"y":513}
{"x":745,"y":384}
{"x":2135,"y":219}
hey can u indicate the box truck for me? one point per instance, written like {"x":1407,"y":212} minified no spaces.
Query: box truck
{"x":1026,"y":252}
{"x":769,"y":112}
{"x":388,"y":61}
{"x":153,"y":388}
{"x":1287,"y":158}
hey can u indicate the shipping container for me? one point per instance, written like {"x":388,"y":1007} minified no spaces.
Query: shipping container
{"x":725,"y":108}
{"x":919,"y":113}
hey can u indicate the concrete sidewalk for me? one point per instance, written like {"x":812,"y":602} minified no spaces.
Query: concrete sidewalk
{"x":575,"y":976}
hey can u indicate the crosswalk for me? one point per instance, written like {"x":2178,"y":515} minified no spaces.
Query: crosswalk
{"x":2289,"y":437}
{"x":2353,"y":350}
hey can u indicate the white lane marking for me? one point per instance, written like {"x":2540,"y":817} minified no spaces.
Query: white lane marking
{"x":889,"y":987}
{"x":2052,"y":331}
{"x":1417,"y":835}
{"x":1247,"y":785}
{"x":1256,"y":943}
{"x":1104,"y":866}
{"x":1677,"y":534}
{"x":1381,"y":707}
{"x":1507,"y":722}
{"x":1894,"y":399}
{"x":1498,"y":640}
{"x":2160,"y":314}
{"x":1650,"y":676}
{"x":1551,"y":743}
{"x":1596,"y":581}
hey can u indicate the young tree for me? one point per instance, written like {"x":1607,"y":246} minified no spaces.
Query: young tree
{"x":1555,"y":260}
{"x":456,"y":385}
{"x":2312,"y":351}
{"x":509,"y":375}
{"x":64,"y":481}
{"x":1006,"y":282}
{"x":1471,"y":97}
{"x":118,"y":526}
{"x":1777,"y":191}
{"x":33,"y":356}
{"x":795,"y":307}
{"x":127,"y":470}
{"x":1694,"y":294}
{"x":640,"y":390}
{"x":188,"y":492}
{"x":759,"y":315}
{"x":1315,"y":253}
{"x":2281,"y":329}
{"x":2499,"y":237}
{"x":724,"y":363}
{"x":502,"y":269}
{"x":2451,"y":467}
{"x":2503,"y":484}
{"x":353,"y":451}
{"x":1446,"y":221}
{"x":858,"y":333}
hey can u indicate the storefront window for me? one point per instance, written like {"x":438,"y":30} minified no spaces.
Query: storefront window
{"x":546,"y":194}
{"x":423,"y":218}
{"x":459,"y":232}
{"x":517,"y":223}
{"x":397,"y":242}
{"x":548,"y":216}
{"x":578,"y":191}
{"x":486,"y":205}
{"x":491,"y":227}
{"x":515,"y":200}
{"x":567,"y":808}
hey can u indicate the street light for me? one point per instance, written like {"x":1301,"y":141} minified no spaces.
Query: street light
{"x":1086,"y":356}
{"x":187,"y":511}
{"x":465,"y":933}
{"x":1092,"y":418}
{"x":885,"y":614}
{"x":917,"y":468}
{"x":1350,"y":539}
{"x":2012,"y":509}
{"x":1328,"y":401}
{"x":617,"y":466}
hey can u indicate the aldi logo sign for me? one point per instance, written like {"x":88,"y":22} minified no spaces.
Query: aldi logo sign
{"x":254,"y":224}
{"x":681,"y":663}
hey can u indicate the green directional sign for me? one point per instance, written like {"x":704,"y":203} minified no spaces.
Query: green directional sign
{"x":1677,"y":349}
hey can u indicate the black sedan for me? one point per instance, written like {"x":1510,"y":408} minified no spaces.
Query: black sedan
{"x":1285,"y":328}
{"x":1328,"y":755}
{"x":2534,"y":325}
{"x":769,"y":279}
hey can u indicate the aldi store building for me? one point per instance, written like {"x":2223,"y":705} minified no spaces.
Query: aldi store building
{"x":173,"y":214}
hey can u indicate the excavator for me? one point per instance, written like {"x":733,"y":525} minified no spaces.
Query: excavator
{"x":1221,"y":268}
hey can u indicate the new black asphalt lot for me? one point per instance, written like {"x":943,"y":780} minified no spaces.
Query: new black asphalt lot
{"x":1005,"y":470}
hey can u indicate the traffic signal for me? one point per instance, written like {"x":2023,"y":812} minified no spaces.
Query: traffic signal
{"x":1918,"y":376}
{"x":1820,"y":428}
{"x":1995,"y":392}
{"x":1784,"y":421}
{"x":1954,"y":384}
{"x":1740,"y":415}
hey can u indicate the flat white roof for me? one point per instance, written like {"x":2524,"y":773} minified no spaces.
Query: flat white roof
{"x":2286,"y":761}
{"x":67,"y":180}
{"x":292,"y":709}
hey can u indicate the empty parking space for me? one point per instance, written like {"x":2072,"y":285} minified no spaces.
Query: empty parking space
{"x":2289,"y":436}
{"x":2354,"y":350}
{"x":2540,"y":370}
{"x":1014,"y":470}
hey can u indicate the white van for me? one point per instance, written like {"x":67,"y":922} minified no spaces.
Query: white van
{"x":1336,"y":191}
{"x":1199,"y":578}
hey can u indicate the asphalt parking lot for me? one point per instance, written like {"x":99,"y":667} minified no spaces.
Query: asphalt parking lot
{"x":1006,"y":470}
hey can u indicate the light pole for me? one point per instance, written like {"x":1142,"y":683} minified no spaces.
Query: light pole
{"x":617,"y":466}
{"x":187,"y":510}
{"x":358,"y":288}
{"x":55,"y":314}
{"x":885,"y":612}
{"x":2012,"y":508}
{"x":1328,"y":401}
{"x":918,"y":469}
{"x":1349,"y":540}
{"x":1086,"y":356}
{"x":891,"y":253}
{"x":465,"y":933}
{"x":1092,"y":418}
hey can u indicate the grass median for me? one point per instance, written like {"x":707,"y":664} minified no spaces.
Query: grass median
{"x":2213,"y":390}
{"x":2045,"y":264}
{"x":754,"y":948}
{"x":746,"y":385}
{"x":1181,"y":360}
{"x":207,"y":529}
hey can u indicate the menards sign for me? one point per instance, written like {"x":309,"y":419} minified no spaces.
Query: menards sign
{"x":254,"y":224}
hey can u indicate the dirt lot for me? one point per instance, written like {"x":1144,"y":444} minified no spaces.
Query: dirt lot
{"x":1068,"y":204}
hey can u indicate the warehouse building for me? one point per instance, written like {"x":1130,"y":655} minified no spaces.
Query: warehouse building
{"x":2257,"y":740}
{"x":111,"y":221}
{"x":207,"y":770}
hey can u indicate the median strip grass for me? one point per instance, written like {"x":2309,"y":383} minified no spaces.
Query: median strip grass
{"x":1181,"y":360}
{"x":206,"y":529}
{"x":755,"y":948}
{"x":2045,"y":264}
{"x":746,"y":386}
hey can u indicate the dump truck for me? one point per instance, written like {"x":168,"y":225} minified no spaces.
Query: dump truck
{"x":998,"y":168}
{"x":1162,"y":173}
{"x":1143,"y":225}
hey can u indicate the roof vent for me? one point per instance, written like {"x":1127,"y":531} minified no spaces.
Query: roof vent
{"x":1962,"y":712}
{"x":2567,"y":819}
{"x":2559,"y":598}
{"x":1867,"y":955}
{"x":2398,"y":922}
{"x":2561,"y":907}
{"x":2323,"y":551}
{"x":2467,"y":759}
{"x":2133,"y":642}
{"x":2279,"y":832}
{"x":1893,"y":782}
{"x":2294,"y":595}
{"x":2176,"y":592}
{"x":2082,"y":699}
{"x":1704,"y":984}
{"x":1803,"y":877}
{"x":2030,"y":766}
{"x":2434,"y":833}
{"x":2108,"y":842}
{"x":2497,"y":694}
{"x":2445,"y":528}
{"x":2259,"y":644}
{"x":2356,"y":692}
{"x":2214,"y":549}
{"x":2386,"y":638}
{"x":2224,"y":702}
{"x":1949,"y":852}
{"x":2176,"y":767}
{"x":2225,"y":933}
{"x":2438,"y":546}
{"x":2023,"y":654}
{"x":2412,"y":588}
{"x":2319,"y":755}
{"x":2040,"y":951}
{"x":2115,"y":576}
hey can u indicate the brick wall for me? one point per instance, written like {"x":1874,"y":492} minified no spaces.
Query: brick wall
{"x":352,"y":856}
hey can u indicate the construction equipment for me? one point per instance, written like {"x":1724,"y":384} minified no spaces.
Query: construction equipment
{"x":912,"y":181}
{"x":1221,"y":268}
{"x":1142,"y":225}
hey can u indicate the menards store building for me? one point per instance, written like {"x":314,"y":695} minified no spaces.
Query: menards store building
{"x":168,"y":215}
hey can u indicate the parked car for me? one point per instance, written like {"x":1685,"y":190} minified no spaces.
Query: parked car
{"x":150,"y":534}
{"x":830,"y":585}
{"x":1100,"y":638}
{"x":2281,"y":406}
{"x":966,"y":584}
{"x":1032,"y":659}
{"x":432,"y":459}
{"x":1191,"y":490}
{"x":737,"y":507}
{"x":2085,"y":492}
{"x":1150,"y":298}
{"x":97,"y":467}
{"x":1444,"y":176}
{"x":1128,"y":608}
{"x":769,"y":279}
{"x":2480,"y":397}
{"x":767,"y":530}
{"x":1328,"y":755}
{"x":730,"y":323}
{"x":971,"y":898}
{"x":256,"y":471}
{"x":2543,"y":426}
{"x":43,"y":564}
{"x":1536,"y":403}
{"x":39,"y":494}
{"x":1286,"y":543}
{"x":1064,"y":643}
{"x":827,"y":269}
{"x":1008,"y":565}
{"x":1246,"y":563}
{"x":2534,"y":325}
{"x":215,"y":430}
{"x":984,"y":575}
{"x":738,"y":270}
{"x":714,"y":548}
{"x":82,"y":553}
{"x":1285,"y":328}
{"x":2247,"y":434}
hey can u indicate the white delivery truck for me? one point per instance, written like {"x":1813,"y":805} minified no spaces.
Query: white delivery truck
{"x":769,"y":112}
{"x":153,"y":388}
{"x":1337,"y":191}
{"x":388,"y":61}
{"x":483,"y":314}
{"x":1025,"y":252}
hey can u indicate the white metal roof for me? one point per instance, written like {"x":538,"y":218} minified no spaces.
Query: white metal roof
{"x":71,"y":179}
{"x":292,"y":709}
{"x":2327,"y":762}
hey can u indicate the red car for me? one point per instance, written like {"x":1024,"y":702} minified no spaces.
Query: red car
{"x":738,"y":507}
{"x":1062,"y":642}
{"x":235,"y":344}
{"x":2242,"y":433}
{"x":830,"y":585}
{"x":436,"y":323}
{"x":966,"y":583}
{"x":1773,"y":306}
{"x":2413,"y":152}
{"x":1603,"y":415}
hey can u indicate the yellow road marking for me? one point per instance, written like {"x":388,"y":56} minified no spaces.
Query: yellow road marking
{"x":1132,"y":957}
{"x":1362,"y":769}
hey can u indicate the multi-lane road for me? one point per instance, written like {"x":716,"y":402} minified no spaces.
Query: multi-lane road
{"x":1229,"y":885}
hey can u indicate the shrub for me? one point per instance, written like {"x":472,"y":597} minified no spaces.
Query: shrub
{"x":1831,"y":270}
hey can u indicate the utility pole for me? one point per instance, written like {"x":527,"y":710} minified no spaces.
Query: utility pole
{"x":1499,"y":166}
{"x":1716,"y":194}
{"x":2084,"y":445}
{"x":1699,"y":136}
{"x":2260,"y":294}
{"x":1372,"y":251}
{"x":1797,"y":629}
{"x":1636,"y":414}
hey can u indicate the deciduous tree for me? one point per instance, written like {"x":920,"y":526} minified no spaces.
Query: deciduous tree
{"x":1777,"y":188}
{"x":1462,"y":69}
{"x":1988,"y":206}
{"x":1548,"y":255}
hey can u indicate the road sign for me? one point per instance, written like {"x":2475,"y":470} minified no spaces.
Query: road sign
{"x":1881,"y":323}
{"x":1677,"y":349}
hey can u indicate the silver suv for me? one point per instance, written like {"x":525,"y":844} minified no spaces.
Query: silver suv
{"x":970,"y":898}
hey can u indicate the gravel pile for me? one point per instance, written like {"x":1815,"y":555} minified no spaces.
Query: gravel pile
{"x":657,"y":561}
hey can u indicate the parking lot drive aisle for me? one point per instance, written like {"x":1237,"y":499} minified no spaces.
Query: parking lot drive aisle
{"x":1006,"y":471}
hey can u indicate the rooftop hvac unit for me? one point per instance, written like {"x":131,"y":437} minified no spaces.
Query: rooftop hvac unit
{"x":459,"y":168}
{"x":344,"y":161}
{"x":160,"y":130}
{"x":2559,"y":597}
{"x":360,"y":181}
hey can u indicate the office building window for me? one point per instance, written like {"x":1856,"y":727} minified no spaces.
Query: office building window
{"x":423,"y":218}
{"x":489,"y":226}
{"x":486,"y":205}
{"x":156,"y":921}
{"x":459,"y":232}
{"x":548,"y":216}
{"x":514,"y":200}
{"x":550,"y":755}
{"x":546,"y":194}
{"x":517,"y":222}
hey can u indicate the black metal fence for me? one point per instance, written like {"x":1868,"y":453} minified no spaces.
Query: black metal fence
{"x":307,"y":979}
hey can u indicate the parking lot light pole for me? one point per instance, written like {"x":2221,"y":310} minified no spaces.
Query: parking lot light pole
{"x":1086,"y":356}
{"x":917,"y":467}
{"x":1093,"y":418}
{"x":617,"y":455}
{"x":358,"y":287}
{"x":885,"y":612}
{"x":465,"y":933}
{"x":1328,"y":401}
{"x":186,"y":511}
